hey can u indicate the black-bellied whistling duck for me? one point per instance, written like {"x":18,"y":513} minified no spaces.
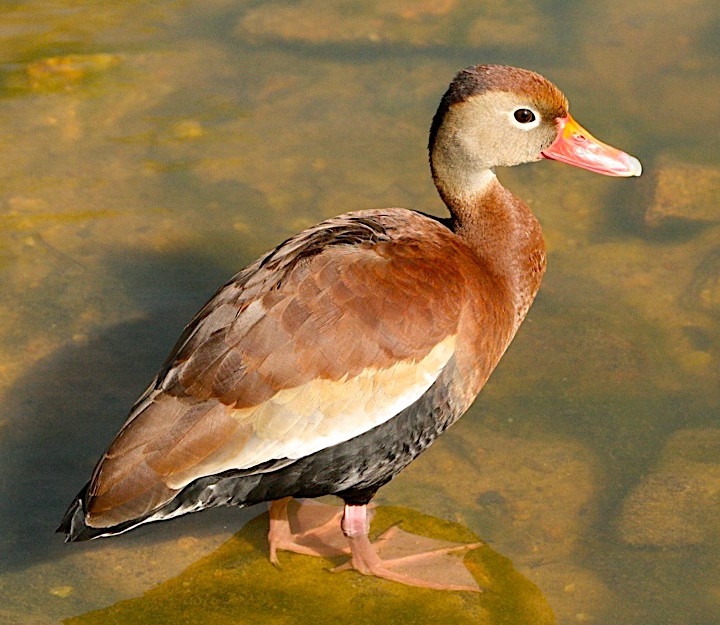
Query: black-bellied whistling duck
{"x":331,"y":362}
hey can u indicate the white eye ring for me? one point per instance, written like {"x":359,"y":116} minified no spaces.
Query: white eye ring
{"x":533,"y":122}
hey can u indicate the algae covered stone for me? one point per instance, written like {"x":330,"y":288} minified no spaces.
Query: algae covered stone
{"x":237,"y":584}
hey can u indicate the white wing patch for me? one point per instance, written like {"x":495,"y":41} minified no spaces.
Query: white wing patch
{"x":299,"y":421}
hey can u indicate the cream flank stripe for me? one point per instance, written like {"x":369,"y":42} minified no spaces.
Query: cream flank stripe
{"x":299,"y":421}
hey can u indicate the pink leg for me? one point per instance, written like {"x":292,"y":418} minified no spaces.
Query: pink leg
{"x":314,"y":529}
{"x":431,"y":568}
{"x":317,"y":534}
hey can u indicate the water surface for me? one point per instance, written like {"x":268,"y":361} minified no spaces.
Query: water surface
{"x":151,"y":149}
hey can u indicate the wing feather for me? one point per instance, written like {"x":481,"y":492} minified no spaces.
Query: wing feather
{"x":327,"y":336}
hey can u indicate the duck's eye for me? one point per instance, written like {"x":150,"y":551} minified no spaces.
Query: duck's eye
{"x":524,"y":116}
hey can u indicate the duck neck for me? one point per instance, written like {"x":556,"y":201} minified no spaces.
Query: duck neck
{"x":504,"y":235}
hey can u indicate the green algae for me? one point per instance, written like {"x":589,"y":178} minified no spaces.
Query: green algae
{"x":237,"y":584}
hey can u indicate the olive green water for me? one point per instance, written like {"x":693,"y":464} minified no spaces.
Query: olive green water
{"x":150,"y":149}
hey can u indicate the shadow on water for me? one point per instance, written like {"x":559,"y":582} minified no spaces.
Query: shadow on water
{"x":67,"y":408}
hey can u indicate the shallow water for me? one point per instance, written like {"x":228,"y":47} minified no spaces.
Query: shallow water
{"x":151,"y":149}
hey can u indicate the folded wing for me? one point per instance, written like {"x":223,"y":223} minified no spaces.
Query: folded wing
{"x":330,"y":334}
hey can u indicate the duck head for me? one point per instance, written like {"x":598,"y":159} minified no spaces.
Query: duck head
{"x":493,"y":115}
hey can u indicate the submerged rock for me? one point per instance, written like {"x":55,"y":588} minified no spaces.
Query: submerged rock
{"x":418,"y":24}
{"x":533,"y":495}
{"x":237,"y":584}
{"x":677,"y":504}
{"x":683,"y":192}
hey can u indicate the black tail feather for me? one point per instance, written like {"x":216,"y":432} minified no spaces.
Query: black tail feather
{"x":73,"y":522}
